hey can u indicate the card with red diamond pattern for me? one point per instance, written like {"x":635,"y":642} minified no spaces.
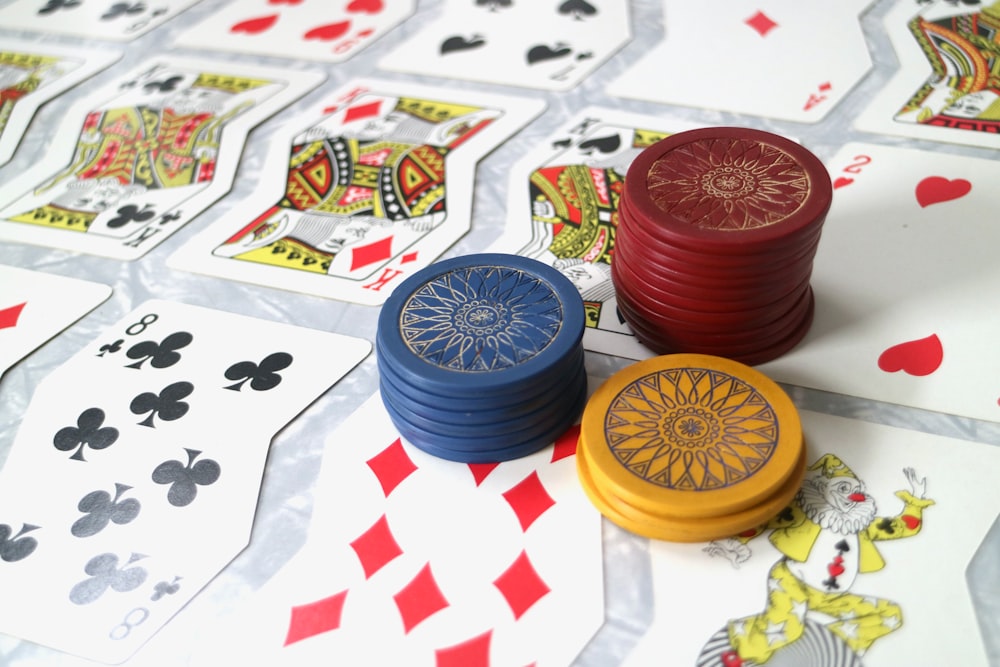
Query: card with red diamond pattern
{"x":134,"y":475}
{"x":371,"y":184}
{"x":420,"y":561}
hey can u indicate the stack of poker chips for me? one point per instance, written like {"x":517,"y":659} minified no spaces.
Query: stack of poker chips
{"x":717,"y":232}
{"x":480,"y":357}
{"x":690,"y":448}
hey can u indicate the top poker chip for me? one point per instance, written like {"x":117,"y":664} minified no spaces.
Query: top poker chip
{"x":484,"y":325}
{"x":728,"y":189}
{"x":691,"y":436}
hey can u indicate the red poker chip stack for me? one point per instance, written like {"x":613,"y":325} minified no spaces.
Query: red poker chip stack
{"x":717,"y":233}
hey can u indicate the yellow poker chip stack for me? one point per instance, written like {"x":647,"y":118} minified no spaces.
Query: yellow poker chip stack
{"x":690,"y":448}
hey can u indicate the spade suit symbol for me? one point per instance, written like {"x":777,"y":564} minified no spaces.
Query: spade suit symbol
{"x":459,"y":43}
{"x":542,"y":52}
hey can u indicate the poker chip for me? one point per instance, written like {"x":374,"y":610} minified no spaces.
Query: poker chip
{"x":690,"y":447}
{"x":502,"y":428}
{"x":717,"y":233}
{"x":492,"y":448}
{"x":732,"y":190}
{"x":480,"y":357}
{"x":478,"y":410}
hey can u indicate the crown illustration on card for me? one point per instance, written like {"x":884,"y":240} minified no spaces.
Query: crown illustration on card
{"x":50,"y":215}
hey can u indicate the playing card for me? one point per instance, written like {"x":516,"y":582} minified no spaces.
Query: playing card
{"x":765,"y":40}
{"x":419,"y":561}
{"x":866,"y":566}
{"x":550,"y":46}
{"x":93,"y":19}
{"x":945,"y":88}
{"x":563,"y":209}
{"x":369,"y":186}
{"x":136,"y":159}
{"x":134,"y":475}
{"x":31,"y":75}
{"x":310,"y":30}
{"x":900,"y":279}
{"x":35,"y":306}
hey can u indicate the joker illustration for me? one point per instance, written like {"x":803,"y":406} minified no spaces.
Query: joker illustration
{"x":827,"y":536}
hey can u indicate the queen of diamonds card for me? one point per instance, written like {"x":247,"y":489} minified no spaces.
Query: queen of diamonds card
{"x":370,"y":186}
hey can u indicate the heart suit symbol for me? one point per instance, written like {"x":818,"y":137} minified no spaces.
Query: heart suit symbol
{"x":255,"y":26}
{"x":914,"y":357}
{"x":369,"y":6}
{"x":329,"y":31}
{"x":937,"y":189}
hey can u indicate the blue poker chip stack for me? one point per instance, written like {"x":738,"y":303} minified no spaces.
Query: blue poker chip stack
{"x":481,"y":358}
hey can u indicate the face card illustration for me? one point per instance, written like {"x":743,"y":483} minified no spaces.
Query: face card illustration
{"x":136,"y":160}
{"x":311,"y":30}
{"x":373,"y":184}
{"x":437,"y":562}
{"x":549,"y":46}
{"x":151,"y":442}
{"x":839,"y":576}
{"x":946,"y":87}
{"x":563,"y":209}
{"x":94,"y":19}
{"x":900,"y":276}
{"x":31,"y":75}
{"x":35,"y":306}
{"x":760,"y":36}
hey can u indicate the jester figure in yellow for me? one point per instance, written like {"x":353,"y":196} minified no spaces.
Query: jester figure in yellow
{"x":371,"y":179}
{"x":963,"y":90}
{"x":827,"y":537}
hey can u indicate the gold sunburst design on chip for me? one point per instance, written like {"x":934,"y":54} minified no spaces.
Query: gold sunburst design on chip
{"x":728,"y":184}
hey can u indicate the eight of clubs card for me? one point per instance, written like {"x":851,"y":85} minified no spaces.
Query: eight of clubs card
{"x":371,"y":185}
{"x":134,"y":474}
{"x":136,"y":159}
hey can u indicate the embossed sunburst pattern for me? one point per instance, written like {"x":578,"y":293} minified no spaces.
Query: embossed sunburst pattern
{"x":481,"y":319}
{"x":691,"y":429}
{"x":728,"y":184}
